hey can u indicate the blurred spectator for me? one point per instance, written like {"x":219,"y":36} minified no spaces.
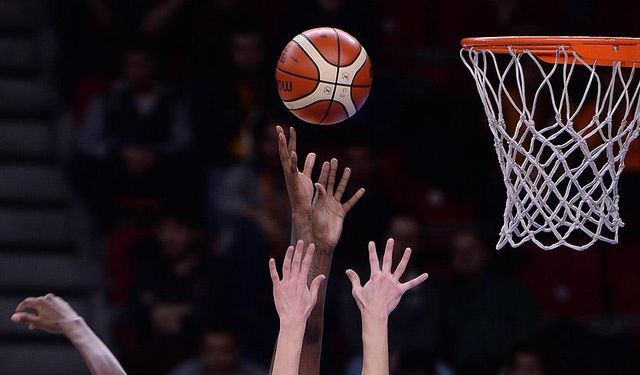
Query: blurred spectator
{"x":357,"y":17}
{"x":170,"y":277}
{"x":374,"y":208}
{"x":254,"y":192}
{"x":529,"y":359}
{"x":131,"y":144}
{"x":228,"y":105}
{"x":486,"y":312}
{"x":220,"y":354}
{"x":414,"y":325}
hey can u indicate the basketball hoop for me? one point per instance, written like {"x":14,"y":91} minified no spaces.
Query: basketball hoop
{"x":561,"y":131}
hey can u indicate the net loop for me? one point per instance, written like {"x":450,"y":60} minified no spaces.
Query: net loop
{"x":561,"y":132}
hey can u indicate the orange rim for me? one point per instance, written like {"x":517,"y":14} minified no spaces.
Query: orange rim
{"x":593,"y":50}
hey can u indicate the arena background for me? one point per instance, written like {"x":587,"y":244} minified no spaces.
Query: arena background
{"x":160,"y":240}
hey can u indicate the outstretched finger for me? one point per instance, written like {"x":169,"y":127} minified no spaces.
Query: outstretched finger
{"x":293,"y":163}
{"x":286,"y":264}
{"x":333,"y":170}
{"x":275,"y":279}
{"x":397,"y":274}
{"x":309,"y":162}
{"x":292,"y":139}
{"x":321,"y":194}
{"x":306,"y":262}
{"x":388,"y":256}
{"x":324,"y":174}
{"x":297,"y":259}
{"x":283,"y":150}
{"x":354,"y":278}
{"x":348,"y":205}
{"x":373,"y":258}
{"x":414,"y":282}
{"x":342,"y":185}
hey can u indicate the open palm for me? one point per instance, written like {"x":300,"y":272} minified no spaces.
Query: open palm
{"x":382,"y":293}
{"x":327,"y":213}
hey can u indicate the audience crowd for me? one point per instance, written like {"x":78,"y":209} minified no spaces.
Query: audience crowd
{"x":175,"y":159}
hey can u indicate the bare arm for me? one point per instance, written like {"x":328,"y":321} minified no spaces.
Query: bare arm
{"x":54,"y":315}
{"x":316,"y":218}
{"x":376,"y":300}
{"x":294,"y":301}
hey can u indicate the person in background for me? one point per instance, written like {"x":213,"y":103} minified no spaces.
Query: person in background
{"x":132,"y":143}
{"x":529,"y":359}
{"x":486,"y":313}
{"x":54,"y":315}
{"x":376,"y":300}
{"x":171,"y":276}
{"x":229,"y":110}
{"x":220,"y":354}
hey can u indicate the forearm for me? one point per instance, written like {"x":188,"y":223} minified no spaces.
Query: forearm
{"x":288,"y":349}
{"x":375,"y":345}
{"x":312,"y":348}
{"x":301,"y":228}
{"x":95,"y":353}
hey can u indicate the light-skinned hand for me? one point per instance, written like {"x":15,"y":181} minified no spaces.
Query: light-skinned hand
{"x":382,"y":293}
{"x":48,"y":313}
{"x":294,"y":300}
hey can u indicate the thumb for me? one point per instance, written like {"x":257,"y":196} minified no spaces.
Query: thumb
{"x":321,"y":193}
{"x":315,"y":286}
{"x":355,"y":279}
{"x":24,"y":317}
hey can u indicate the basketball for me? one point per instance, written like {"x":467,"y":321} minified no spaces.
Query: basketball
{"x":324,"y":76}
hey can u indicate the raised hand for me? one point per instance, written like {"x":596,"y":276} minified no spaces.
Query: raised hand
{"x":327,"y":213}
{"x":299,"y":184}
{"x":48,"y":313}
{"x":54,"y":315}
{"x":294,"y":300}
{"x":382,"y":293}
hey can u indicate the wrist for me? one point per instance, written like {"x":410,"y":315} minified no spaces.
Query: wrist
{"x":293,"y":324}
{"x":374,"y":318}
{"x":74,"y":328}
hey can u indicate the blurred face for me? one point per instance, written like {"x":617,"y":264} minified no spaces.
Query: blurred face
{"x":469,"y":256}
{"x":527,"y":364}
{"x":362,"y":163}
{"x":331,"y":6}
{"x":406,"y":233}
{"x":247,"y":52}
{"x":138,"y":69}
{"x":220,"y":352}
{"x":174,"y":237}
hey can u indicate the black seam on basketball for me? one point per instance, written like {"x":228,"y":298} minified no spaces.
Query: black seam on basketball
{"x":317,"y":82}
{"x":317,"y":50}
{"x":343,"y":108}
{"x":333,"y":95}
{"x":310,"y":58}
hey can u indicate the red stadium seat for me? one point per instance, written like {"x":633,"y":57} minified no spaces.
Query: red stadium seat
{"x":623,"y":261}
{"x":565,"y":281}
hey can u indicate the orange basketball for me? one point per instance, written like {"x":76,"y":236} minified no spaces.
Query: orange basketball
{"x":324,"y":76}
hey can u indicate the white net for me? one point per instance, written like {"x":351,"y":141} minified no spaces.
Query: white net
{"x":561,"y":134}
